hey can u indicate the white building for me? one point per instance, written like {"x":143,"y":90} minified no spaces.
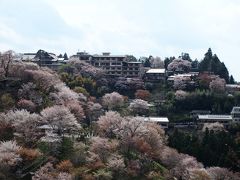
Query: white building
{"x":209,"y":118}
{"x":232,"y":88}
{"x":236,"y":114}
{"x":156,"y":75}
{"x":163,"y":121}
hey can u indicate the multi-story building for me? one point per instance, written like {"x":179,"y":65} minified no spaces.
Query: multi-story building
{"x":236,"y":114}
{"x":132,"y":69}
{"x":44,"y":59}
{"x":114,"y":65}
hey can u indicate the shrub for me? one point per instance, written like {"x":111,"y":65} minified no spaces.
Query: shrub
{"x":29,"y":154}
{"x":65,"y":166}
{"x":7,"y":101}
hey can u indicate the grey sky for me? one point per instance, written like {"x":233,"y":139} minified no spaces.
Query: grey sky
{"x":139,"y":27}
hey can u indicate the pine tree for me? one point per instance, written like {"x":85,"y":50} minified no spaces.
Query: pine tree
{"x":65,"y":56}
{"x":147,"y":63}
{"x":231,"y":80}
{"x":204,"y":64}
{"x":212,"y":63}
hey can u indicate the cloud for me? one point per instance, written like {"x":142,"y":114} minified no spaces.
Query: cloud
{"x":30,"y":25}
{"x":138,"y":27}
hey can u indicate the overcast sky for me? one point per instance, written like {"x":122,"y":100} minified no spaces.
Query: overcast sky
{"x":138,"y":27}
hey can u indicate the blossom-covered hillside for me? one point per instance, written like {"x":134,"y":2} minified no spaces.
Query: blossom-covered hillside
{"x":49,"y":131}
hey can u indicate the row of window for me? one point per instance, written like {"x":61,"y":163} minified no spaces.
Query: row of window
{"x":131,"y":69}
{"x":108,"y":58}
{"x":113,"y":72}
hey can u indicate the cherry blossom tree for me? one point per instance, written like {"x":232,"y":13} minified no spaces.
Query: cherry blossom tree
{"x":139,"y":106}
{"x":19,"y":69}
{"x":6,"y":59}
{"x":103,"y":147}
{"x":26,"y":104}
{"x":180,"y":95}
{"x":60,"y":118}
{"x":94,"y":111}
{"x":133,"y":133}
{"x":213,"y":126}
{"x":44,"y":78}
{"x":196,"y":173}
{"x":136,"y":134}
{"x":65,"y":94}
{"x":48,"y":172}
{"x":77,"y":110}
{"x":2,"y":74}
{"x":116,"y":162}
{"x":222,"y":173}
{"x":185,"y":164}
{"x":169,"y":157}
{"x":25,"y":125}
{"x":86,"y":69}
{"x":112,"y":101}
{"x":218,"y":85}
{"x":179,"y":65}
{"x":180,"y":82}
{"x":109,"y":123}
{"x":29,"y":92}
{"x":9,"y":155}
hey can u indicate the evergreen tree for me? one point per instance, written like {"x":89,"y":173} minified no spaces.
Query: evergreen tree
{"x":147,"y":63}
{"x":167,"y":61}
{"x":65,"y":56}
{"x":195,"y":64}
{"x":212,"y":63}
{"x":186,"y":56}
{"x":223,"y":72}
{"x":204,"y":64}
{"x":231,"y":80}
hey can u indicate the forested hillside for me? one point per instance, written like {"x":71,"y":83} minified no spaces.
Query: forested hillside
{"x":72,"y":124}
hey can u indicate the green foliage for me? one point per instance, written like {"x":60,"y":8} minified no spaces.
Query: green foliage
{"x":231,"y":80}
{"x":62,"y":150}
{"x":186,"y":56}
{"x":7,"y":101}
{"x":211,"y":148}
{"x":211,"y":63}
{"x":157,"y":167}
{"x":84,"y":85}
{"x":167,"y":61}
{"x":66,"y":149}
{"x":65,"y":56}
{"x":103,"y":174}
{"x":206,"y":100}
{"x":81,"y":90}
{"x":66,"y":68}
{"x":147,"y":63}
